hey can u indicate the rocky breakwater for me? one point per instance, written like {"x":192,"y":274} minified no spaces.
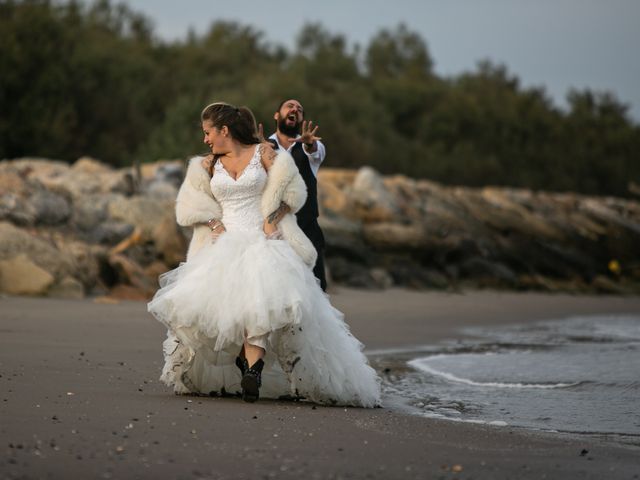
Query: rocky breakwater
{"x":88,"y":229}
{"x":395,"y":230}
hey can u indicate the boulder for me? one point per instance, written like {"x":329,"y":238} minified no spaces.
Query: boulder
{"x":11,"y":182}
{"x":170,"y":171}
{"x":110,"y":232}
{"x":142,"y":212}
{"x":130,"y":273}
{"x":371,"y":199}
{"x":406,"y":272}
{"x":43,"y":253}
{"x":387,"y":235}
{"x":490,"y":272}
{"x":344,"y":238}
{"x":169,"y":241}
{"x":90,"y":211}
{"x":50,"y":208}
{"x":354,"y":274}
{"x":20,"y":276}
{"x":68,"y":287}
{"x":161,"y":190}
{"x":90,"y":166}
{"x":332,"y":193}
{"x":17,"y":210}
{"x":86,"y":177}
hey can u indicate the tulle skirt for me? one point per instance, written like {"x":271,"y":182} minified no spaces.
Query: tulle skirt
{"x":247,"y":286}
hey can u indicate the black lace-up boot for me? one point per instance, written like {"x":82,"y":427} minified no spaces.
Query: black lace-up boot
{"x":251,"y":381}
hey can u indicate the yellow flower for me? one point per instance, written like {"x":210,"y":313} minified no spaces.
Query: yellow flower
{"x":614,"y":267}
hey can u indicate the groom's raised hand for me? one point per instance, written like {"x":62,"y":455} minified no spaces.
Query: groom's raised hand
{"x":308,"y":136}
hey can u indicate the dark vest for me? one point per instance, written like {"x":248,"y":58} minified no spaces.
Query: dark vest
{"x":307,"y":216}
{"x":309,"y":211}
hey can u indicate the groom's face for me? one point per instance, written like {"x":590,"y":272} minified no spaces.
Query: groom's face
{"x":289,"y":117}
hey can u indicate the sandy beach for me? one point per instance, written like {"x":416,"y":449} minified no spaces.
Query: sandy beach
{"x":80,"y":399}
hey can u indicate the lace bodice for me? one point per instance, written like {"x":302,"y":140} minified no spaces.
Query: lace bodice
{"x":240,"y":198}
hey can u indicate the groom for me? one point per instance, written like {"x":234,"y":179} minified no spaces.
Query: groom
{"x":298,"y":137}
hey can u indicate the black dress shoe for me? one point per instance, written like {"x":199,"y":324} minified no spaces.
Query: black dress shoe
{"x":251,"y":381}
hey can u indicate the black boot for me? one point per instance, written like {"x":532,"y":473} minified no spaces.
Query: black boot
{"x":240,"y":363}
{"x":251,"y":381}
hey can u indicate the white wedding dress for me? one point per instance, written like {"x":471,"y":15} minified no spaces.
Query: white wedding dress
{"x":245,"y":285}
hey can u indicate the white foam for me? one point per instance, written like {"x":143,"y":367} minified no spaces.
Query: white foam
{"x":421,"y":364}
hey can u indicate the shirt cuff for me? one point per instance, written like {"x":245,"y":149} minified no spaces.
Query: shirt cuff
{"x":317,"y":156}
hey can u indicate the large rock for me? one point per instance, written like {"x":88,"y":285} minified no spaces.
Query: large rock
{"x":491,"y":273}
{"x":170,"y":242}
{"x":142,"y":212}
{"x":14,"y":196}
{"x":15,"y":241}
{"x":110,"y":232}
{"x":12,"y":182}
{"x":87,"y":261}
{"x":50,"y":208}
{"x":372,"y":201}
{"x":68,"y":287}
{"x":16,"y":209}
{"x":130,"y":273}
{"x":85,"y":177}
{"x":394,"y":235}
{"x":162,"y":190}
{"x":90,"y":211}
{"x":20,"y":276}
{"x":333,"y":187}
{"x":344,"y":238}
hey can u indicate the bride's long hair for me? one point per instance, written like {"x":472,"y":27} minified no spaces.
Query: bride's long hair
{"x":239,"y":120}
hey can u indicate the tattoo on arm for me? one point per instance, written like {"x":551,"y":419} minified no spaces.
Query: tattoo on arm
{"x":278,"y":213}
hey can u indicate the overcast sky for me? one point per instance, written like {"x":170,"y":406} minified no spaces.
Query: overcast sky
{"x":553,"y":43}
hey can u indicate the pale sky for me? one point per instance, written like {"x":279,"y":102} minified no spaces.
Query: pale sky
{"x":557,"y":44}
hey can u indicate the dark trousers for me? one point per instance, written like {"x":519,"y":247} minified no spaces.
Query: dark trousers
{"x":314,"y":233}
{"x":318,"y":269}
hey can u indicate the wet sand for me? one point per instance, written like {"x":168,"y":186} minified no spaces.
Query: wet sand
{"x":80,"y":399}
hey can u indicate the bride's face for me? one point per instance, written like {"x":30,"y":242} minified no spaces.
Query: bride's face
{"x":218,"y":140}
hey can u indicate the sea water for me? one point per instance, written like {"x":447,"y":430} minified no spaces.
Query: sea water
{"x":579,"y":375}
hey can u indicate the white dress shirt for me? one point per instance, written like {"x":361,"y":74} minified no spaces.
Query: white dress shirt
{"x":315,"y":158}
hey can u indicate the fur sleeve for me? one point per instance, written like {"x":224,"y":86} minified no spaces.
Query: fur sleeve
{"x":296,"y":193}
{"x":284,"y":184}
{"x":195,"y":202}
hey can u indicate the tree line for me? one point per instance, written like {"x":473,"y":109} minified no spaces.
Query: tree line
{"x":94,"y":80}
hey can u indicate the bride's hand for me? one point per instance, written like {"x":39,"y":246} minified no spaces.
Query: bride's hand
{"x":206,"y":162}
{"x":217,"y":228}
{"x":269,"y":229}
{"x":215,"y":234}
{"x":261,"y":133}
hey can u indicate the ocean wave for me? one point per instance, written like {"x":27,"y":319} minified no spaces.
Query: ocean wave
{"x":420,"y":364}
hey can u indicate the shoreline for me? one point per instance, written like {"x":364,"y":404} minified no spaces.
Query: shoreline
{"x":81,"y":397}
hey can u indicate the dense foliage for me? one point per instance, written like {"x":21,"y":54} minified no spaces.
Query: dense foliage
{"x":95,"y":81}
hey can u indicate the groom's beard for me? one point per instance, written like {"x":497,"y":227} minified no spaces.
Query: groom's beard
{"x":291,"y":131}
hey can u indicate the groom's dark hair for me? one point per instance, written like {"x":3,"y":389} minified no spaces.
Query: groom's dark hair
{"x":285,"y":101}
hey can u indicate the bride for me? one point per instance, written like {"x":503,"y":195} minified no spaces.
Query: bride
{"x":245,"y":314}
